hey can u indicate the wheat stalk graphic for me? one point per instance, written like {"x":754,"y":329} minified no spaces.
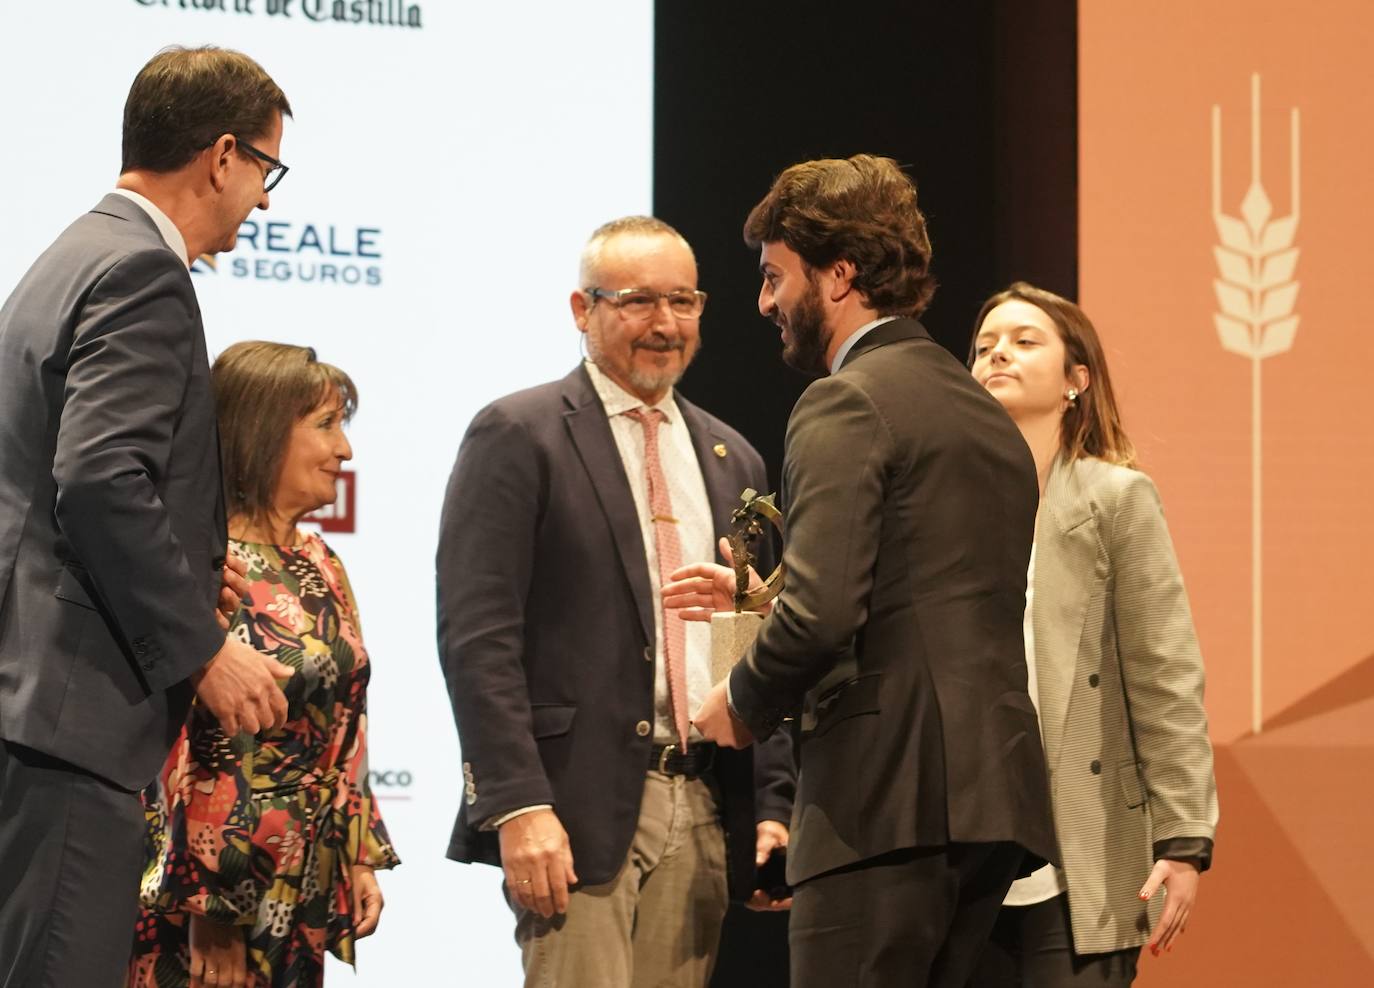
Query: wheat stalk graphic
{"x":1256,"y":293}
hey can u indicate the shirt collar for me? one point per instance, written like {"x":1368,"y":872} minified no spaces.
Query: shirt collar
{"x":170,"y":234}
{"x":617,"y":401}
{"x":859,"y":333}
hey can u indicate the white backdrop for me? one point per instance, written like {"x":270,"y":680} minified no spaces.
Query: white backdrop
{"x":468,"y":158}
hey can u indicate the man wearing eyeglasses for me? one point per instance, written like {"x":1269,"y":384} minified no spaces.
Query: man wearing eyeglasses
{"x":616,"y":825}
{"x":112,"y":523}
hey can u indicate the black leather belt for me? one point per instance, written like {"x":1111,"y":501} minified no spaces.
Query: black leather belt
{"x":692,"y":763}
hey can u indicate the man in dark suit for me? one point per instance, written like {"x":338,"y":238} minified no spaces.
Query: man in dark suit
{"x":615,"y":827}
{"x":911,"y":502}
{"x":112,"y":527}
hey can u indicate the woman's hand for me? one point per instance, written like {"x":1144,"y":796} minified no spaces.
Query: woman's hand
{"x":219,"y":954}
{"x":1180,"y":879}
{"x":367,"y":901}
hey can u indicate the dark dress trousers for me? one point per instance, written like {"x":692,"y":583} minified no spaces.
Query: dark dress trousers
{"x":546,"y":629}
{"x":112,"y":534}
{"x":910,"y":499}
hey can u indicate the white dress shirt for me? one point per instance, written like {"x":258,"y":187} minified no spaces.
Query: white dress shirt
{"x":164,"y":224}
{"x":691,"y":508}
{"x":1047,"y":881}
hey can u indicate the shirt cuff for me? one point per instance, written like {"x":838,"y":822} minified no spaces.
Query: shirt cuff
{"x":1198,"y":850}
{"x":495,"y":822}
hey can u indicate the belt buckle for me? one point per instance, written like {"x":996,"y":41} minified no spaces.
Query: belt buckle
{"x":668,"y":749}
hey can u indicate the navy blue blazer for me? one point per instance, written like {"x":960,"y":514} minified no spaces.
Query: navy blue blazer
{"x":546,"y":628}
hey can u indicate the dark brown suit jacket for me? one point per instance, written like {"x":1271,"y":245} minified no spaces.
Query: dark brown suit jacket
{"x":910,"y":500}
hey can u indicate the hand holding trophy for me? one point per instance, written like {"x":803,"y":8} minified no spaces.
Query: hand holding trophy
{"x":733,"y":632}
{"x":734,"y":599}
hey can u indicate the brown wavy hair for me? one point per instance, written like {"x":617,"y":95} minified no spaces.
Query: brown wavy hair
{"x":1092,"y":424}
{"x":261,"y":391}
{"x":860,"y":209}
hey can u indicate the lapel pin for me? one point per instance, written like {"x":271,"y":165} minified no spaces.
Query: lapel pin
{"x":719,"y":450}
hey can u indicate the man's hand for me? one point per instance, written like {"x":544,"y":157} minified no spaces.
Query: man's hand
{"x":538,"y":861}
{"x":239,"y":687}
{"x":1180,"y":880}
{"x":701,"y":589}
{"x":771,"y":835}
{"x":367,"y":901}
{"x":233,"y":587}
{"x":716,"y":723}
{"x":219,"y":955}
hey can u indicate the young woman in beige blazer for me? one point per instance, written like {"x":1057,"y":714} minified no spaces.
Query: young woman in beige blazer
{"x":1113,"y":663}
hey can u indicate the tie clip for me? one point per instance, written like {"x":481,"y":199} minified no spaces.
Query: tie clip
{"x":668,"y":518}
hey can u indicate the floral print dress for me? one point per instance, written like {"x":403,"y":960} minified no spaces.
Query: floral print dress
{"x":263,"y":832}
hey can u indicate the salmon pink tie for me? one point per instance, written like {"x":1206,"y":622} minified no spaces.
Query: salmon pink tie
{"x":669,"y":546}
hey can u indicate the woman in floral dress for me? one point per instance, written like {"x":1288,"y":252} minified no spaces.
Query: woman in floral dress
{"x":262,"y":849}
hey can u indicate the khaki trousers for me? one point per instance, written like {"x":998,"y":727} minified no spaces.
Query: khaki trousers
{"x":657,"y":923}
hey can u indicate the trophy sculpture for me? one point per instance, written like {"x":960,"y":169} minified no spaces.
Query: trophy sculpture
{"x":733,"y":632}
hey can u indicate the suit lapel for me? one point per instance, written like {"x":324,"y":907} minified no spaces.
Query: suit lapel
{"x":717,"y":471}
{"x":1066,"y":541}
{"x":591,"y":435}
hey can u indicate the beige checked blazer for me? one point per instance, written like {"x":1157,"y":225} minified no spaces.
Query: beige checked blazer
{"x":1120,"y":691}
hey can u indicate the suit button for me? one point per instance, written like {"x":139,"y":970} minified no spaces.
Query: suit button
{"x":643,"y":728}
{"x":471,"y":798}
{"x":470,"y":789}
{"x":648,"y":653}
{"x":1093,"y":680}
{"x":1096,"y":767}
{"x":148,"y":664}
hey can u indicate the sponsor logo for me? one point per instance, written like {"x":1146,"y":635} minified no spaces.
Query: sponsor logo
{"x":391,"y":783}
{"x":309,"y":253}
{"x":376,"y":13}
{"x":339,"y":516}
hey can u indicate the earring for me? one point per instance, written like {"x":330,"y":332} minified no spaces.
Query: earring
{"x":1072,"y":395}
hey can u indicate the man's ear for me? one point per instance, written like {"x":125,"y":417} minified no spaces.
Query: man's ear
{"x":581,"y":310}
{"x":217,"y":157}
{"x":842,"y":274}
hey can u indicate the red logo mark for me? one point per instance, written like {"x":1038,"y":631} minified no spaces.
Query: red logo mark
{"x":341,"y":515}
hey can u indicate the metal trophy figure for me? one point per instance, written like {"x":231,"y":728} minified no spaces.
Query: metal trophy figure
{"x":733,"y":633}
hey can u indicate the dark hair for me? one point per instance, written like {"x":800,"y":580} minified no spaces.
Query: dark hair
{"x":261,"y":391}
{"x":1092,"y":424}
{"x":185,"y":99}
{"x":860,"y":209}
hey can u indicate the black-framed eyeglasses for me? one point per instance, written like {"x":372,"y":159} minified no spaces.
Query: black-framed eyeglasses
{"x":641,"y":303}
{"x":276,"y":170}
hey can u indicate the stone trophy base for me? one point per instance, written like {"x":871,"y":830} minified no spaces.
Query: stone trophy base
{"x":731,"y":635}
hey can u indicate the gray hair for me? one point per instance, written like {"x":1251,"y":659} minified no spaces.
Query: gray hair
{"x":590,"y":265}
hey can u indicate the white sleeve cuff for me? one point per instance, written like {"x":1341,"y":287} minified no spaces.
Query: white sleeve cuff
{"x":496,"y":821}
